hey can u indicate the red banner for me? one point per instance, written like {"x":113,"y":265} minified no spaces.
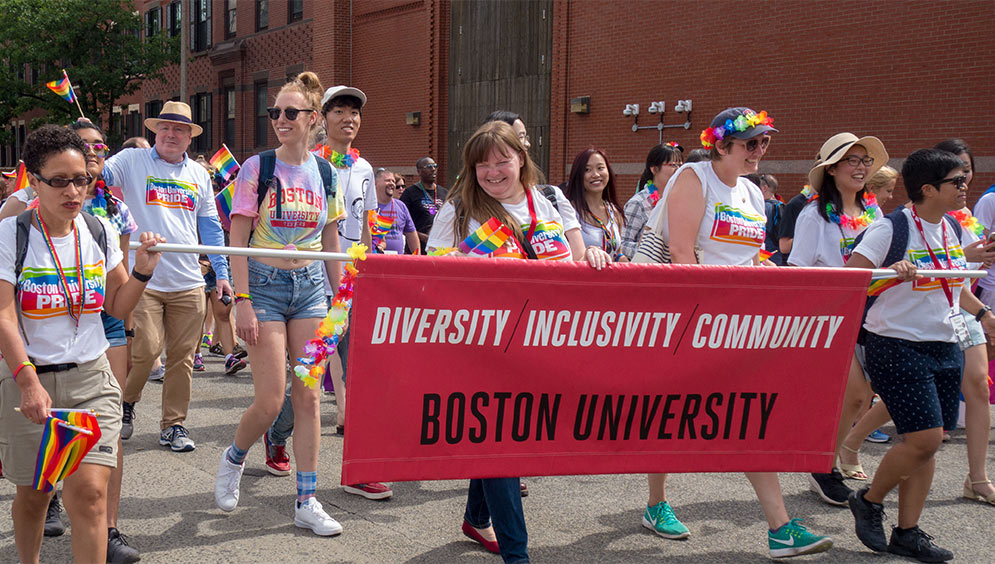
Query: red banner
{"x":469,"y":368}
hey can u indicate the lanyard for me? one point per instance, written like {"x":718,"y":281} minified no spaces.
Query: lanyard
{"x":936,"y":261}
{"x":71,"y":304}
{"x":609,"y":242}
{"x":532,"y":213}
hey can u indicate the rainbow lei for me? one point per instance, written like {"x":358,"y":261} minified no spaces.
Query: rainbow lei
{"x":99,"y":201}
{"x":339,"y":160}
{"x":871,"y":212}
{"x":969,"y":222}
{"x":742,"y":123}
{"x":654,"y":193}
{"x":322,"y":346}
{"x":809,"y":193}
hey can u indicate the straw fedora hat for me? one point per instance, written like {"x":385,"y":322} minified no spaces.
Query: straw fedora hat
{"x":174,"y":112}
{"x":835,"y":147}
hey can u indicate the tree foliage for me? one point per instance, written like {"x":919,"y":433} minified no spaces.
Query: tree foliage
{"x":98,"y":42}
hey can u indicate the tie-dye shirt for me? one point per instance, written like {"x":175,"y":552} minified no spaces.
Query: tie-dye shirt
{"x":49,"y":334}
{"x":304,"y":209}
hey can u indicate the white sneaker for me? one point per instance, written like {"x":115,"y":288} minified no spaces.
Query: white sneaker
{"x":226,"y":482}
{"x":310,"y":515}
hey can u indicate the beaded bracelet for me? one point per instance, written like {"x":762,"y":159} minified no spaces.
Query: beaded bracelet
{"x":21,"y":366}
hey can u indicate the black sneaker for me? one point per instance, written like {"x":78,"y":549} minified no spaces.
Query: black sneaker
{"x":127,"y":420}
{"x":54,"y":527}
{"x":216,"y":350}
{"x":917,"y":544}
{"x":238,"y":351}
{"x":830,"y":487}
{"x":868,"y":521}
{"x":118,"y":550}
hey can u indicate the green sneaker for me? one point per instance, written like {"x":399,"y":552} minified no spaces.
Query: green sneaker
{"x":793,"y":539}
{"x":661,"y":520}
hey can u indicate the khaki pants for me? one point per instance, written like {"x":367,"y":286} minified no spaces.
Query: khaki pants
{"x":179,"y":318}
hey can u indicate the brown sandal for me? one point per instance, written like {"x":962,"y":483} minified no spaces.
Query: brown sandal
{"x":969,"y":492}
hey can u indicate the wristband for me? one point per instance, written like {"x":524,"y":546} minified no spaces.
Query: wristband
{"x":129,"y":333}
{"x":982,"y":313}
{"x":240,"y":297}
{"x":139,"y":276}
{"x":21,"y":367}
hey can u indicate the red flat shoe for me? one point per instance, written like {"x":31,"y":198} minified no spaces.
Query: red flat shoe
{"x":491,"y":546}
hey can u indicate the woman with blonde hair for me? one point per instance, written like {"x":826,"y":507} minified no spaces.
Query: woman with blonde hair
{"x":882,"y":184}
{"x":498,"y":180}
{"x":283,"y":199}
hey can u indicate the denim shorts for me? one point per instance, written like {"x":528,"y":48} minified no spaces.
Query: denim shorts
{"x":282,"y":295}
{"x":974,"y":330}
{"x":210,"y":281}
{"x":113,"y":330}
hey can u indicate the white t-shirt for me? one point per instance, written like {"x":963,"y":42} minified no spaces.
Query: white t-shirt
{"x":984,"y":210}
{"x":819,"y":242}
{"x":734,"y":225}
{"x":549,"y":240}
{"x":165,"y":198}
{"x":46,"y":328}
{"x":916,"y":310}
{"x":359,"y":190}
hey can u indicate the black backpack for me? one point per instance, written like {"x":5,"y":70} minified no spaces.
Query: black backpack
{"x":896,"y":251}
{"x":24,"y":229}
{"x":267,"y":164}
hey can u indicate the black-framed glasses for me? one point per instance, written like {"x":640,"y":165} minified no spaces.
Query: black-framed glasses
{"x":99,"y":149}
{"x":291,"y":113}
{"x":959,"y":181}
{"x":79,"y":181}
{"x":752,"y":144}
{"x":855,"y":161}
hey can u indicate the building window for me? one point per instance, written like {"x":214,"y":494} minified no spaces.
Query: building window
{"x":230,"y":19}
{"x":200,"y":25}
{"x":153,"y":22}
{"x":175,"y":19}
{"x":134,"y":124}
{"x":117,"y":124}
{"x":201,"y":106}
{"x":262,"y":14}
{"x":152,"y":109}
{"x":295,"y":11}
{"x":228,"y":99}
{"x":262,"y":120}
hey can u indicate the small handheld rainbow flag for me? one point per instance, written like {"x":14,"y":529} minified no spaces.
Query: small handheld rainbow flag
{"x":21,"y":177}
{"x":323,"y":151}
{"x":380,"y":224}
{"x":765,"y":254}
{"x":223,"y":202}
{"x":68,"y":436}
{"x":488,"y":238}
{"x":63,"y":88}
{"x":224,"y":162}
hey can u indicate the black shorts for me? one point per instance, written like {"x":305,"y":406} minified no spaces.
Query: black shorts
{"x":919,"y":382}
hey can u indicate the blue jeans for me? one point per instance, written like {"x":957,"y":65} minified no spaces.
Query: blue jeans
{"x":499,"y":500}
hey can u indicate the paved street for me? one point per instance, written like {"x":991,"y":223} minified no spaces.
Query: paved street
{"x":168,"y":509}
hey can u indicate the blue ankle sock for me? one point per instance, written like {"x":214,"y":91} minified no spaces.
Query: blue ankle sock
{"x":236,"y":455}
{"x":307,"y":485}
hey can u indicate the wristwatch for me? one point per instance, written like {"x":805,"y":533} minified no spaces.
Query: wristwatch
{"x":982,"y":313}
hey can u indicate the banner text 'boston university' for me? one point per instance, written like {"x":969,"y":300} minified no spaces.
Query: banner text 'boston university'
{"x":466,"y":368}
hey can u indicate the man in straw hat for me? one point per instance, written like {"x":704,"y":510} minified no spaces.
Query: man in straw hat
{"x":169,"y":193}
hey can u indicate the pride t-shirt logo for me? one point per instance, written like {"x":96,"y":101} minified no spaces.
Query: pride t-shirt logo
{"x":170,"y":193}
{"x":733,"y":225}
{"x":41,"y":295}
{"x":923,"y":261}
{"x":548,"y":242}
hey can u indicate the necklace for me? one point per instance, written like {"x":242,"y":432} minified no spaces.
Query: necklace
{"x":609,"y":242}
{"x":432,"y":204}
{"x":99,"y":203}
{"x":339,"y":160}
{"x":73,"y":306}
{"x":968,"y":222}
{"x":654,"y":193}
{"x":871,"y":212}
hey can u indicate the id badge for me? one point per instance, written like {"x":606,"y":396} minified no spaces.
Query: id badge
{"x":959,"y":324}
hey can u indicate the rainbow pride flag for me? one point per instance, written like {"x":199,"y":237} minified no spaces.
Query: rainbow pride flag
{"x":21,"y":177}
{"x":323,"y":151}
{"x":488,"y":238}
{"x":223,"y":202}
{"x":69,"y":435}
{"x":63,"y":88}
{"x":380,"y":224}
{"x":224,"y":162}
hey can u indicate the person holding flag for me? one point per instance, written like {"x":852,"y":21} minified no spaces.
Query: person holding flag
{"x":66,"y":270}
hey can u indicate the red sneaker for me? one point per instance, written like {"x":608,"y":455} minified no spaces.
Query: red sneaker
{"x":373,"y":490}
{"x":491,"y":546}
{"x":277,"y":461}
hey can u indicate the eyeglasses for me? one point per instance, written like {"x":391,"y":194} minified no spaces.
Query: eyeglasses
{"x":959,"y":181}
{"x":291,"y":113}
{"x":79,"y":181}
{"x":431,"y":166}
{"x":524,"y":138}
{"x":752,"y":144}
{"x":99,"y":149}
{"x":855,"y":161}
{"x":674,"y":166}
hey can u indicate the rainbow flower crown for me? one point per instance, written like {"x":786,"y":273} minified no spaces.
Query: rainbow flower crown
{"x":742,"y":123}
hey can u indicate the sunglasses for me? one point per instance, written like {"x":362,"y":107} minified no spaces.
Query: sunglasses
{"x":855,"y":161}
{"x":752,"y":144}
{"x":959,"y":181}
{"x":99,"y":149}
{"x":432,"y":166}
{"x":291,"y":113}
{"x":79,"y":181}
